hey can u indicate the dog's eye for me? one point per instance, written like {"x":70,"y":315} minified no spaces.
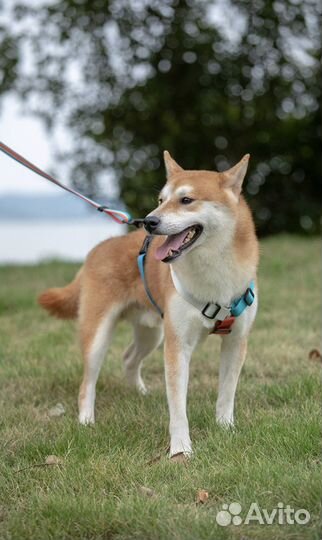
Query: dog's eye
{"x":160,"y":201}
{"x":186,"y":200}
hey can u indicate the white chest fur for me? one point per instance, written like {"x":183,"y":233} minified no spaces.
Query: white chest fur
{"x":213,"y":274}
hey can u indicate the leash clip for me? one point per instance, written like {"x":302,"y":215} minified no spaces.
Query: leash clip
{"x":138,"y":222}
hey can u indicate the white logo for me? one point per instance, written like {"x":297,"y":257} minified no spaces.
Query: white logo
{"x":229,"y":514}
{"x":283,"y":515}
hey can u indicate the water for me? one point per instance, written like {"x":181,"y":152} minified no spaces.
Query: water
{"x":29,"y":242}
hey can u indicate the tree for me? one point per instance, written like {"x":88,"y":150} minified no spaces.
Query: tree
{"x":132,"y":78}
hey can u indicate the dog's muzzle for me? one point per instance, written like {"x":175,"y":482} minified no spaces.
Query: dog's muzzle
{"x":151,"y":223}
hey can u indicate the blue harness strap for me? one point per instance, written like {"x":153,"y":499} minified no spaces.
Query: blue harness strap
{"x":246,"y":300}
{"x":141,"y":264}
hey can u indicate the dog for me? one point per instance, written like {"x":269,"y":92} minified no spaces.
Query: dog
{"x":191,"y":280}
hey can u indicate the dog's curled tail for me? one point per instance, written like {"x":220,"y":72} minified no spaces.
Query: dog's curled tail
{"x":62,"y":302}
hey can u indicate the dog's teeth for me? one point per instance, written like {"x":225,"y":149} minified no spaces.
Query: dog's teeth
{"x":189,"y":236}
{"x":172,"y":252}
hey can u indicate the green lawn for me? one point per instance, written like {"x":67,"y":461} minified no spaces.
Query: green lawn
{"x":96,"y":491}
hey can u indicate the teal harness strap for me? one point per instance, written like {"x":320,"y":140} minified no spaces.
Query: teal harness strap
{"x":141,"y":264}
{"x":246,"y":300}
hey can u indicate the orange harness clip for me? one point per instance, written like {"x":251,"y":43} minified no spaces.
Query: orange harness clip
{"x":223,"y":327}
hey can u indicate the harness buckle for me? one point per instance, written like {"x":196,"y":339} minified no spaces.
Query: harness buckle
{"x":215,"y":311}
{"x":211,"y":314}
{"x":223,"y":328}
{"x":137,"y":222}
{"x":249,"y":296}
{"x":223,"y":313}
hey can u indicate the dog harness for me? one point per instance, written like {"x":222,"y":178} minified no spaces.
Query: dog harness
{"x":223,"y":316}
{"x":141,"y":264}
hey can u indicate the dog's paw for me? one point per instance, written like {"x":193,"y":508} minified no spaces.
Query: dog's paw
{"x":86,"y":418}
{"x":135,"y":381}
{"x":141,"y":388}
{"x":225,"y":422}
{"x":180,"y":448}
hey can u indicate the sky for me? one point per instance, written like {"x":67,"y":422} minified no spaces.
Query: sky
{"x":27,"y":136}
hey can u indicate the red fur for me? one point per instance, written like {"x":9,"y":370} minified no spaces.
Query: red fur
{"x":62,"y":302}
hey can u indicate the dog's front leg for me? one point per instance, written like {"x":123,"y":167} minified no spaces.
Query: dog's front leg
{"x":233,"y":353}
{"x":177,"y":353}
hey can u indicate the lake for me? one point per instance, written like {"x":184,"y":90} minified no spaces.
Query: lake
{"x":29,"y":242}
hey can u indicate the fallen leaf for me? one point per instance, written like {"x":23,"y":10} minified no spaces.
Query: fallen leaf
{"x":202,"y":496}
{"x":147,"y":491}
{"x":53,"y":460}
{"x":57,"y":410}
{"x":315,"y":355}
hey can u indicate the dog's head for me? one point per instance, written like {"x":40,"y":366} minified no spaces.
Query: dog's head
{"x":194,"y":206}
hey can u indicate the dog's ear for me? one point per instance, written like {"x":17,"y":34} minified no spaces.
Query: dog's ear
{"x":171,"y":166}
{"x":234,"y":177}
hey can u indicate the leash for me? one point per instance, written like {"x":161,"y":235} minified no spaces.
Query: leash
{"x":119,"y":216}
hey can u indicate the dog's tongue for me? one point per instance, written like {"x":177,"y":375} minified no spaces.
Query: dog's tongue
{"x":173,"y":241}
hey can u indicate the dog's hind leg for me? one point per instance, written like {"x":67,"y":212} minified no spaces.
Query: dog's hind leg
{"x":95,"y":332}
{"x":146,"y":339}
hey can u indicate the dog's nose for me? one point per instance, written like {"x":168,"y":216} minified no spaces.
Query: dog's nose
{"x":151,"y":223}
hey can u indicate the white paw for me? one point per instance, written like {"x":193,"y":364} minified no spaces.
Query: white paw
{"x":227,"y":422}
{"x":86,"y":417}
{"x":141,"y":388}
{"x":136,"y":381}
{"x":180,"y":447}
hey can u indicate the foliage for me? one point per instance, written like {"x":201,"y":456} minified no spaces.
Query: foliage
{"x":134,"y":78}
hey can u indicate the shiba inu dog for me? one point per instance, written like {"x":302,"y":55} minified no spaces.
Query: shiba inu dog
{"x":201,"y":278}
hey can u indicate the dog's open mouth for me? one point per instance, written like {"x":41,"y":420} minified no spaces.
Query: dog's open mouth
{"x":175,"y":244}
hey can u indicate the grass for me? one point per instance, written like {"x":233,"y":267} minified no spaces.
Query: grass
{"x":95,"y":492}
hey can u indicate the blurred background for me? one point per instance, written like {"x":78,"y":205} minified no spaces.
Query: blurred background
{"x":94,"y":91}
